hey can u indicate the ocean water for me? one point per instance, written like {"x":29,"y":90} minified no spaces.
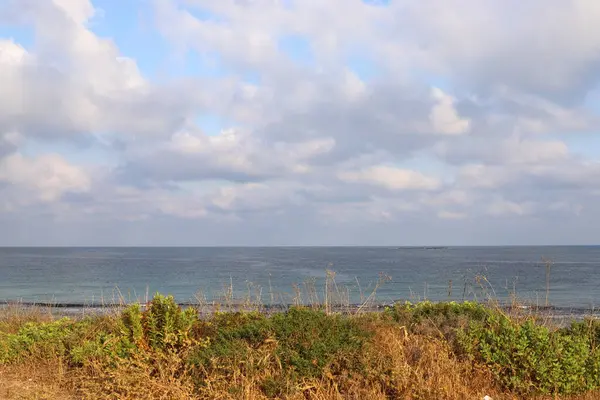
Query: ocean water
{"x":102,"y":275}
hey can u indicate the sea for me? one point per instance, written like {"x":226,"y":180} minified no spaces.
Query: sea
{"x":568,"y":277}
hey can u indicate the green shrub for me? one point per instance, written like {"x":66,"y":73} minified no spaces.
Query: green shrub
{"x":529,"y":358}
{"x":437,"y":319}
{"x":103,"y":346}
{"x":44,"y":340}
{"x":523,"y":356}
{"x":590,"y":328}
{"x":232,"y":336}
{"x":451,"y":314}
{"x":131,"y":326}
{"x":305,"y":342}
{"x":309,"y":341}
{"x":165,"y":324}
{"x":254,"y":329}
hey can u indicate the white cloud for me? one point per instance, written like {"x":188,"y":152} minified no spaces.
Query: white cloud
{"x":483,"y":177}
{"x":512,"y":150}
{"x":388,"y":116}
{"x":449,"y":197}
{"x":504,"y":207}
{"x":444,"y":117}
{"x":443,"y":214}
{"x":186,"y":209}
{"x":354,"y":87}
{"x":232,"y":155}
{"x":391,"y":178}
{"x":253,"y":197}
{"x":49,"y":176}
{"x":72,"y":83}
{"x":79,"y":11}
{"x":494,"y":42}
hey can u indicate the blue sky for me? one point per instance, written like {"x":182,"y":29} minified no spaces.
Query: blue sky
{"x":292,"y":123}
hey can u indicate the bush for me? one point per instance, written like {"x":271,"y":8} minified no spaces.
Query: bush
{"x":409,"y":349}
{"x":451,"y":314}
{"x":310,"y":341}
{"x":299,"y":344}
{"x":165,"y":324}
{"x":523,"y":356}
{"x":45,"y":340}
{"x":529,"y":358}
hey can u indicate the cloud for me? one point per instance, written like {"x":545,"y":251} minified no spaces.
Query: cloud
{"x":48,"y":176}
{"x":73,"y":83}
{"x":289,"y":122}
{"x":391,"y":178}
{"x":503,"y":207}
{"x":76,"y":10}
{"x":494,"y":43}
{"x":512,"y":150}
{"x":230,"y":155}
{"x":444,"y":117}
{"x":443,"y":214}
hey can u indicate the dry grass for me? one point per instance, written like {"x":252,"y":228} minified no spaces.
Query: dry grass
{"x":13,"y":316}
{"x":35,"y":380}
{"x":413,"y":367}
{"x":152,"y":376}
{"x":417,"y":367}
{"x":398,"y":365}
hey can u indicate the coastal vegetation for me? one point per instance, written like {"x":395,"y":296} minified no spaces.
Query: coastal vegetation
{"x":424,"y":350}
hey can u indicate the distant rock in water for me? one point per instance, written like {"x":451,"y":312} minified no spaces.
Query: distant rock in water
{"x":424,"y":248}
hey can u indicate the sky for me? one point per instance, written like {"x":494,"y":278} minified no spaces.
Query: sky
{"x":299,"y":122}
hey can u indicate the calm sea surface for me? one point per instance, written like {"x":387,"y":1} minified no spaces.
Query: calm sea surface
{"x":93,"y":275}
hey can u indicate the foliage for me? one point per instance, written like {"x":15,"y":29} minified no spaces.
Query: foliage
{"x":440,"y":314}
{"x":44,"y":340}
{"x":165,"y":324}
{"x":305,"y":341}
{"x":527,"y":357}
{"x":423,"y":350}
{"x":310,"y":341}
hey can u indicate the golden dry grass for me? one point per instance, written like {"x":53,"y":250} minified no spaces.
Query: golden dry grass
{"x":417,"y":367}
{"x":14,"y":316}
{"x":421,"y":368}
{"x":398,"y":365}
{"x":39,"y":380}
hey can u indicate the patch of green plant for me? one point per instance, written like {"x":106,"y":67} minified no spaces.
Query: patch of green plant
{"x":437,"y":319}
{"x":529,"y":358}
{"x":44,"y":340}
{"x":524,"y":356}
{"x":252,"y":327}
{"x":275,"y":388}
{"x":442,"y":314}
{"x":310,"y":340}
{"x":131,"y":326}
{"x":165,"y":324}
{"x":304,"y":342}
{"x":232,"y":336}
{"x":590,"y":328}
